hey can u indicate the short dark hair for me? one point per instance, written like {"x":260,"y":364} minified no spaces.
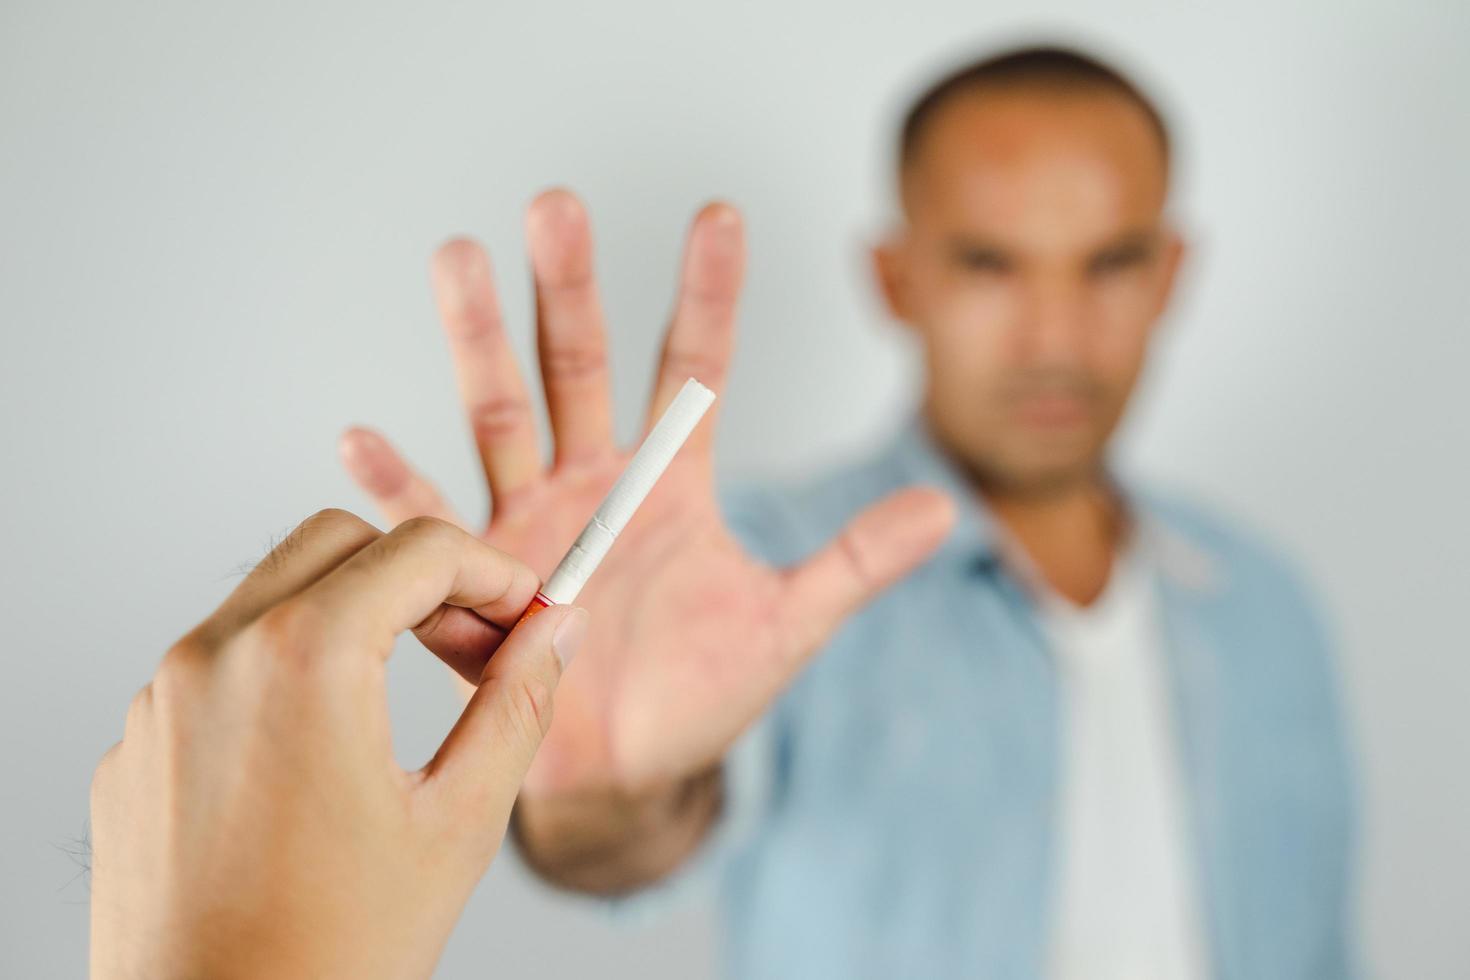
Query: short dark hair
{"x":1038,"y":67}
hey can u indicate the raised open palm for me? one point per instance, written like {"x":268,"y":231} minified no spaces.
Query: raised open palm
{"x":690,"y":637}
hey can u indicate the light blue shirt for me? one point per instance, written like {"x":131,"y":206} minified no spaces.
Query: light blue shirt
{"x":895,"y":813}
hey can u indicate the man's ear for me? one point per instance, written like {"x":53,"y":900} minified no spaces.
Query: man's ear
{"x":888,"y":272}
{"x":1175,"y":251}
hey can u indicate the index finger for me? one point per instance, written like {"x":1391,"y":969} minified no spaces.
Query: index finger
{"x":490,"y":384}
{"x":401,"y":579}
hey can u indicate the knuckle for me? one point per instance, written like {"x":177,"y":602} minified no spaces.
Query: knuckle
{"x":716,"y":304}
{"x":339,"y":524}
{"x":431,"y":625}
{"x":185,"y":651}
{"x":329,"y":517}
{"x":138,"y":710}
{"x":332,"y":521}
{"x":102,"y":776}
{"x":176,"y":673}
{"x":575,"y":361}
{"x":424,"y":526}
{"x":858,"y":561}
{"x":497,"y":417}
{"x":430,"y":534}
{"x":340,"y":521}
{"x":528,"y":711}
{"x":287,"y":634}
{"x":680,"y":363}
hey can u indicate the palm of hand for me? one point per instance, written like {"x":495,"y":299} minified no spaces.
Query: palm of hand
{"x":666,"y":680}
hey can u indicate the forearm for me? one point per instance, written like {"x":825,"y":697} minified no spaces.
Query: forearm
{"x":612,"y":843}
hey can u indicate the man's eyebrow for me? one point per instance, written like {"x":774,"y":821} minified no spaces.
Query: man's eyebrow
{"x":1142,"y":240}
{"x":978,"y":242}
{"x":962,"y":244}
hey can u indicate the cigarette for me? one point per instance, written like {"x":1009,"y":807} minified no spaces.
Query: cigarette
{"x":622,"y":501}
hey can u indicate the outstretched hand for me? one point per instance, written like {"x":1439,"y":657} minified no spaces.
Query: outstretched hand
{"x":695,"y":637}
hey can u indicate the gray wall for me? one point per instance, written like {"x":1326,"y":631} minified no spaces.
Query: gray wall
{"x":214,"y":228}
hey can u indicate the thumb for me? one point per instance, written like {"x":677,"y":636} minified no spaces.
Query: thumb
{"x":879,"y":546}
{"x":486,"y":754}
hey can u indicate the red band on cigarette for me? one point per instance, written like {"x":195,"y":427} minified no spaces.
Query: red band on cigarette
{"x":537,"y":604}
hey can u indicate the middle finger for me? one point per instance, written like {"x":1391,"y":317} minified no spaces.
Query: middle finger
{"x":570,"y":335}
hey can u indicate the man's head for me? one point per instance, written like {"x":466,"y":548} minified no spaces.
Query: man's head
{"x":1033,"y":260}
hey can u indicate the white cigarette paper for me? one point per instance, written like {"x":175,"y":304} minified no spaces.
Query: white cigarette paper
{"x":647,"y":465}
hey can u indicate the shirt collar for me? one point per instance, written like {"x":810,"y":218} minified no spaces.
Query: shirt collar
{"x":916,"y":457}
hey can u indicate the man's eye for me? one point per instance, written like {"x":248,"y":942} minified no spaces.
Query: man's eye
{"x":979,"y":260}
{"x":1119,"y":261}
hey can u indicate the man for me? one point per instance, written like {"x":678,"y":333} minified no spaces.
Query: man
{"x":1094,"y":733}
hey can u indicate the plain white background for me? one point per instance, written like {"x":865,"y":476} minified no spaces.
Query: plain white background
{"x":214,"y":227}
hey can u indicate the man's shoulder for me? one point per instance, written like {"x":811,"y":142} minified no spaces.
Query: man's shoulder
{"x":1231,"y":560}
{"x":1224,"y":536}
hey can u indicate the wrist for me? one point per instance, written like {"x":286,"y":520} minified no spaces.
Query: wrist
{"x":612,"y":840}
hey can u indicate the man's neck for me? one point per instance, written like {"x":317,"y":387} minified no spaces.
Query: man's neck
{"x":1070,"y":537}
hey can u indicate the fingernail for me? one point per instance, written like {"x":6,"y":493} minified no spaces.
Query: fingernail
{"x":568,"y":636}
{"x":722,"y":215}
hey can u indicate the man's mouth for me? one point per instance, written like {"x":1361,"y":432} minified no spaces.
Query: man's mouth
{"x":1052,"y":410}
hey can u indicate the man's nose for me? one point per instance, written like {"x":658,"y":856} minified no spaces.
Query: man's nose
{"x":1054,"y":325}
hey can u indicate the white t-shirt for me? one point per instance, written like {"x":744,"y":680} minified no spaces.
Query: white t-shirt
{"x":1126,"y":903}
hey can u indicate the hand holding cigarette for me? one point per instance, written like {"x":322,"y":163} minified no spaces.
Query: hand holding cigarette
{"x":253,"y":823}
{"x":695,"y":638}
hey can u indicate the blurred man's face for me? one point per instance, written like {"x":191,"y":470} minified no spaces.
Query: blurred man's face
{"x":1033,"y":266}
